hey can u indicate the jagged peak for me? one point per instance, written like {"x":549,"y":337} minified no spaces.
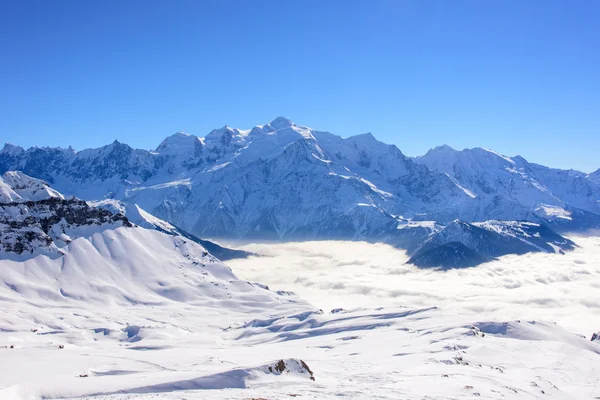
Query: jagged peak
{"x":12,"y":149}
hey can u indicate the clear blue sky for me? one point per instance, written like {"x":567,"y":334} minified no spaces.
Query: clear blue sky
{"x":520,"y":77}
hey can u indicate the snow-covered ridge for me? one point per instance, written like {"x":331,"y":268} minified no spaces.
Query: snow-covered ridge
{"x":36,"y":219}
{"x":138,"y":216}
{"x":15,"y":186}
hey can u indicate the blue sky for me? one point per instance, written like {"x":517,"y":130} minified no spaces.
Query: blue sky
{"x":520,"y":77}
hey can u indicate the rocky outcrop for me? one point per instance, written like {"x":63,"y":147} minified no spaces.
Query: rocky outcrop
{"x":46,"y":225}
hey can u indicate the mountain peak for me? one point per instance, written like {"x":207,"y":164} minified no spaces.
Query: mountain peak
{"x":363,"y":137}
{"x":177,"y":143}
{"x":281,"y":123}
{"x":444,"y":147}
{"x":11,"y":149}
{"x":219,"y":131}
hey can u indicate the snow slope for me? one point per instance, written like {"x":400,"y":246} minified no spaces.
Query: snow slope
{"x":358,"y":354}
{"x":140,"y":217}
{"x":15,"y":186}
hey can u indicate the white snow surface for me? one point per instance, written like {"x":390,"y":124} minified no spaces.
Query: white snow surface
{"x":131,"y":313}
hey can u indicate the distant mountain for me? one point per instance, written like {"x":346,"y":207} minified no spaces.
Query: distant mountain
{"x":285,"y":181}
{"x":461,"y":244}
{"x":514,"y":189}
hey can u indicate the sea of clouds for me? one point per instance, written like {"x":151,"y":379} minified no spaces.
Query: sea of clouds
{"x":331,"y":274}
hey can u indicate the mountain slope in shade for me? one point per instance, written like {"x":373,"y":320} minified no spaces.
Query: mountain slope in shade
{"x":461,"y":244}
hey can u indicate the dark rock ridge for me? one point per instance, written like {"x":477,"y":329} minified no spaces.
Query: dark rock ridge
{"x":461,"y":244}
{"x":29,"y":226}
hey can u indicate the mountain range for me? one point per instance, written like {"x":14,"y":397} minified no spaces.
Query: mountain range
{"x":135,"y":306}
{"x":283,"y":181}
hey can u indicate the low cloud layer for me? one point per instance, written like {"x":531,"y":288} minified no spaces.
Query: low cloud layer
{"x":331,"y":274}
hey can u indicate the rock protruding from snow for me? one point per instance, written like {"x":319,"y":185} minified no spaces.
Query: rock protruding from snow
{"x":596,"y":337}
{"x":291,"y":366}
{"x":36,"y":219}
{"x":43,"y":226}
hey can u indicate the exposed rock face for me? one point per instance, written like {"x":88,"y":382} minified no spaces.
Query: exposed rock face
{"x":35,"y":218}
{"x":30,"y":226}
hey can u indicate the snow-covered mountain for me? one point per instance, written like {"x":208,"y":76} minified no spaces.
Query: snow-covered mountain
{"x":460,"y":244}
{"x":283,"y":180}
{"x":15,"y":186}
{"x":514,"y":189}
